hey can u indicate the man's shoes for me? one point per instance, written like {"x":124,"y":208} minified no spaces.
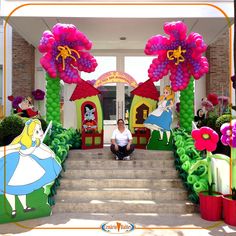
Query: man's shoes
{"x":117,"y":158}
{"x":127,"y":158}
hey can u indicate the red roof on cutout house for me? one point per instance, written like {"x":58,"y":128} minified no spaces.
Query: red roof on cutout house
{"x":146,"y":90}
{"x":83,"y":90}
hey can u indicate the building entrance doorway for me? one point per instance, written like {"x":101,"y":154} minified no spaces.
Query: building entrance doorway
{"x":116,"y":99}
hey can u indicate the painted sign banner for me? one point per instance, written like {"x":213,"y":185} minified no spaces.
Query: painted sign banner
{"x":115,"y":77}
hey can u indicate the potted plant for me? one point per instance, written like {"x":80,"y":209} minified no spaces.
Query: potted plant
{"x":210,"y":201}
{"x":228,"y":138}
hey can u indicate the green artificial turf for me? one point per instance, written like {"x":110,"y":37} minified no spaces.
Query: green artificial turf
{"x":156,"y":144}
{"x":37,"y":199}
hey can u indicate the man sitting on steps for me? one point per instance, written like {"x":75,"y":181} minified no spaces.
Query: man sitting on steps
{"x":121,"y":142}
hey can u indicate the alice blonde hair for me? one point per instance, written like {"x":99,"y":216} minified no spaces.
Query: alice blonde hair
{"x":171,"y":96}
{"x":25,"y":138}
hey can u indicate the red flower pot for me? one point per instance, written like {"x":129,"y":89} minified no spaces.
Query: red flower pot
{"x":211,"y":206}
{"x":229,"y":209}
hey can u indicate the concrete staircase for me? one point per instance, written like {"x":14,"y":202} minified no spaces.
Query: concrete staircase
{"x":96,"y":183}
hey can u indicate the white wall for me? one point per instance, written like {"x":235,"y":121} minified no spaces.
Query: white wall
{"x":40,"y":82}
{"x":1,"y":44}
{"x":8,"y":71}
{"x":200,"y":92}
{"x":69,"y":113}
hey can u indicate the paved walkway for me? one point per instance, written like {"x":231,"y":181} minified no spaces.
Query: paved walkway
{"x":146,"y":225}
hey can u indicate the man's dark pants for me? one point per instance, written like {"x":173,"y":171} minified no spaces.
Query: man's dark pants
{"x":122,"y":151}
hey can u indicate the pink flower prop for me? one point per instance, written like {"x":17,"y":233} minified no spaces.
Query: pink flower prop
{"x":205,"y":138}
{"x":208,"y":105}
{"x":179,"y":54}
{"x":228,"y":131}
{"x":64,"y":53}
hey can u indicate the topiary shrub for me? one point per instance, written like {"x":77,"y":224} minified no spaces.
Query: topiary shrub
{"x":222,"y":120}
{"x":210,"y":122}
{"x":10,"y":127}
{"x":219,"y":122}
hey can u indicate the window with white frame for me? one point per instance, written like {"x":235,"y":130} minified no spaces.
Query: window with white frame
{"x":105,"y":64}
{"x":137,"y":67}
{"x":108,"y":91}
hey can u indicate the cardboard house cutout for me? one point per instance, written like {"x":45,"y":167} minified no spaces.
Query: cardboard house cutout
{"x":89,"y":115}
{"x":144,"y":102}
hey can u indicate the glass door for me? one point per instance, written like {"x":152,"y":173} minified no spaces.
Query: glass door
{"x":108,"y":98}
{"x":113,"y":104}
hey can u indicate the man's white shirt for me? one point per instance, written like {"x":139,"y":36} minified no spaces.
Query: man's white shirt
{"x":123,"y":138}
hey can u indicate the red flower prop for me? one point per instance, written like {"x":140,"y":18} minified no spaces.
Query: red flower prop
{"x":213,"y":98}
{"x":38,"y":94}
{"x":64,"y":53}
{"x":205,"y":139}
{"x":10,"y":98}
{"x":179,"y":54}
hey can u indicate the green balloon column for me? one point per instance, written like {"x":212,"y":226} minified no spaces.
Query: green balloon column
{"x":53,"y":99}
{"x":187,"y":106}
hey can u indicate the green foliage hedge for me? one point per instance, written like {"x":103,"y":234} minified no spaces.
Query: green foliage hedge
{"x":10,"y":127}
{"x":185,"y":156}
{"x":61,"y":140}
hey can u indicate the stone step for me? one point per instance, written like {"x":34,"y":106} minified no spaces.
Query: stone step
{"x":126,"y":206}
{"x":101,"y":154}
{"x":71,"y":196}
{"x":101,"y":164}
{"x":125,"y":173}
{"x":107,"y":150}
{"x":119,"y":183}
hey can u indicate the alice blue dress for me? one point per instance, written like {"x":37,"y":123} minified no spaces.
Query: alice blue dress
{"x":160,"y":119}
{"x":27,"y":169}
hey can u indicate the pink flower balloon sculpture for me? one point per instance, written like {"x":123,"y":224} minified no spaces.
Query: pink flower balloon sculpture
{"x":228,"y":131}
{"x":63,"y":53}
{"x":179,"y":54}
{"x":205,"y":139}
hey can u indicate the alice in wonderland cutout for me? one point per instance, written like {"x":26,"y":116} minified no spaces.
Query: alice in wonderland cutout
{"x":27,"y":165}
{"x":161,"y":118}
